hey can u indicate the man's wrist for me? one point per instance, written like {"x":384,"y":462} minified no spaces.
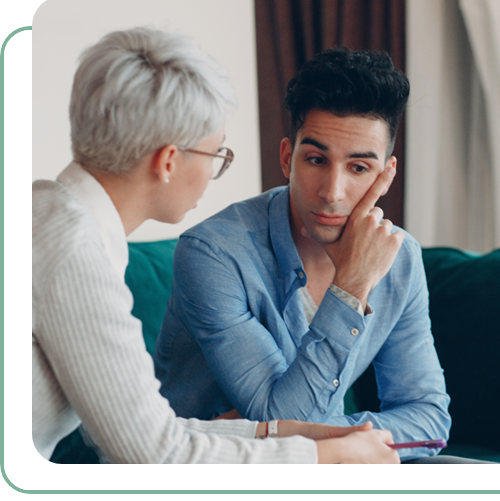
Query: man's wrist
{"x":362,"y":307}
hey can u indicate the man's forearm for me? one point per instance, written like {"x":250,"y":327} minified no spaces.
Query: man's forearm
{"x":407,"y":423}
{"x":315,"y":374}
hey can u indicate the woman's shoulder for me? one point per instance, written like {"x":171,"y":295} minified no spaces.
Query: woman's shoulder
{"x":60,"y":225}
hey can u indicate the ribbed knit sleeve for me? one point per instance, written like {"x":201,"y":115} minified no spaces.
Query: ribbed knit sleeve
{"x":97,"y":358}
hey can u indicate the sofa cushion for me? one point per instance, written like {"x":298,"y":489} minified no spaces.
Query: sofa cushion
{"x":149,"y":276}
{"x":464,"y":296}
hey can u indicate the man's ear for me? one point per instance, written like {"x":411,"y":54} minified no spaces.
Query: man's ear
{"x":164,"y":162}
{"x":390,"y":163}
{"x":286,"y":150}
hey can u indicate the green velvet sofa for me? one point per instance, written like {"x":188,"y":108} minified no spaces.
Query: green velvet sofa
{"x":464,"y":295}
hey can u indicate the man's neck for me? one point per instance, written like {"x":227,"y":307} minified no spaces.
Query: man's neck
{"x":318,"y":266}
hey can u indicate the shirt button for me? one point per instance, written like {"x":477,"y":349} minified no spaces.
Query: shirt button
{"x":354,"y":332}
{"x":336,"y":382}
{"x":301,"y":275}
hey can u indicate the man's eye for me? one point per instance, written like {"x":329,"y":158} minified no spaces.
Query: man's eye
{"x":315,"y":160}
{"x":359,"y":169}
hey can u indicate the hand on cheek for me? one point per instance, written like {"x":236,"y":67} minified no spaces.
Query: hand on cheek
{"x":367,"y":248}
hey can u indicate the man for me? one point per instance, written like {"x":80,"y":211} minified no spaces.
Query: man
{"x":282,"y":301}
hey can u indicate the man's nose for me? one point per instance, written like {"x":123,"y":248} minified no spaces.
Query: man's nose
{"x":333,"y":186}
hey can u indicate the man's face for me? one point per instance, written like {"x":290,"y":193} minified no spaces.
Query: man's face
{"x":333,"y":164}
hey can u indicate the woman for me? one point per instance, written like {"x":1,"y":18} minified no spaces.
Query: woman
{"x":147,"y":120}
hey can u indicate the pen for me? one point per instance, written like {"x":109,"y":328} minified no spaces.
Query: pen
{"x":430,"y":444}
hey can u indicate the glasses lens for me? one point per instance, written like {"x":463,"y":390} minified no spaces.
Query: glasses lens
{"x":218,"y":163}
{"x":221,"y":164}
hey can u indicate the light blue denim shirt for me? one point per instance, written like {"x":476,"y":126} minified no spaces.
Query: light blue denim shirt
{"x":235,"y":334}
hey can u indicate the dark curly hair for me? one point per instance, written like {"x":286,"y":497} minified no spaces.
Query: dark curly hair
{"x":348,"y":82}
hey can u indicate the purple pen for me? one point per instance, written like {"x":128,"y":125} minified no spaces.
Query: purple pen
{"x":429,"y":444}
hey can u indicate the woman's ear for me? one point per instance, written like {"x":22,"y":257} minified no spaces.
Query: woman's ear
{"x":164,"y":162}
{"x":286,"y":156}
{"x":390,"y":163}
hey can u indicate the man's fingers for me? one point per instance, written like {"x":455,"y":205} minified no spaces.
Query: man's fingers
{"x":387,"y":224}
{"x":376,"y":190}
{"x":399,"y":236}
{"x":377,"y":213}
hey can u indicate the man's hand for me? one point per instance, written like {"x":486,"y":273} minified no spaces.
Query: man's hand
{"x":366,"y":250}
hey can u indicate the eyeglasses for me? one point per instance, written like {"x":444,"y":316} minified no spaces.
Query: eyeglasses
{"x":222,"y":159}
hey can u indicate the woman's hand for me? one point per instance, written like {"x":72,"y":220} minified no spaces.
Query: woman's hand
{"x":361,"y":447}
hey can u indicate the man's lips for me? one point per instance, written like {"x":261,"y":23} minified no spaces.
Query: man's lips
{"x":330,"y":220}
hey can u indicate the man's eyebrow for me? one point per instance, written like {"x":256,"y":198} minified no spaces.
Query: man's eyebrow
{"x":368,"y":154}
{"x":310,"y":140}
{"x":324,"y":147}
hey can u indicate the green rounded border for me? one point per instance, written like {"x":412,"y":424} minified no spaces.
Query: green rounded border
{"x":15,"y":371}
{"x":24,"y":28}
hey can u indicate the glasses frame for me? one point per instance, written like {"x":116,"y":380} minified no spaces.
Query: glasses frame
{"x":227,"y":159}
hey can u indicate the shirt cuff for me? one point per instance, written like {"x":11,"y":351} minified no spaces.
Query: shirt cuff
{"x":351,"y":301}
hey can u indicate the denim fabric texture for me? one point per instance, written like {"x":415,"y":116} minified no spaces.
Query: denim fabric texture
{"x":235,"y":334}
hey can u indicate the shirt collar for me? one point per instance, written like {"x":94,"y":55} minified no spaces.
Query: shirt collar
{"x":102,"y":210}
{"x":281,"y":236}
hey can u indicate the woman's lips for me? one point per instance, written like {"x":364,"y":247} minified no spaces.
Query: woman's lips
{"x":330,"y":220}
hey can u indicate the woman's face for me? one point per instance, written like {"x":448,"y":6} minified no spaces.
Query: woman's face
{"x":190,"y":178}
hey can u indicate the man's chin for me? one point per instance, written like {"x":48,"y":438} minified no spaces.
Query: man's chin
{"x":326,"y":235}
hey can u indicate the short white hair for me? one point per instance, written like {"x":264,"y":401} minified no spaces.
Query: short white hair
{"x":140,"y":89}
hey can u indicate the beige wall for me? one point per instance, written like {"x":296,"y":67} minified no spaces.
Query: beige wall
{"x":224,"y":28}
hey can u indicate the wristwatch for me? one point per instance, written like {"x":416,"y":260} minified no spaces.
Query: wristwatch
{"x":273,"y":428}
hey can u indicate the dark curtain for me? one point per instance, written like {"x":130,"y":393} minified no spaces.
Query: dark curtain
{"x":290,"y":32}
